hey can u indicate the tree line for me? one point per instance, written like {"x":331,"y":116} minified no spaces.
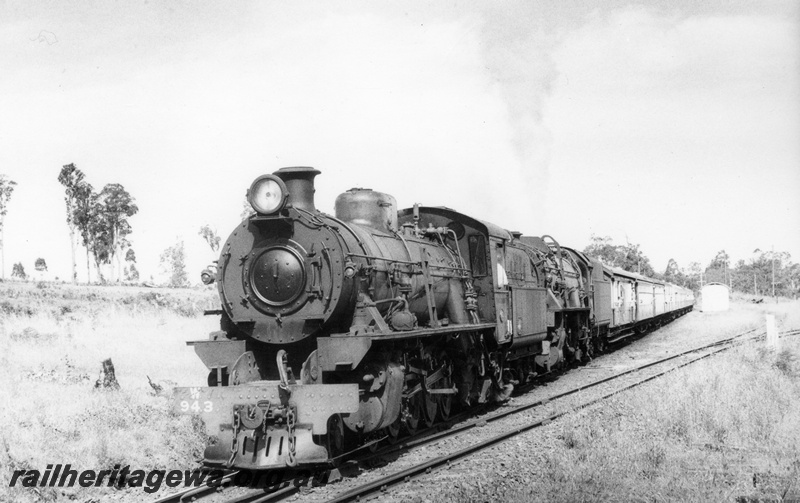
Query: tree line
{"x":628,"y":256}
{"x":17,"y":270}
{"x":173,"y":259}
{"x":765,"y":273}
{"x":100,"y":221}
{"x":6,"y":189}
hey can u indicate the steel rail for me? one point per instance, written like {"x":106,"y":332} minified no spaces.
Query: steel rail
{"x":421,"y":440}
{"x":424,"y":437}
{"x":384,"y":483}
{"x":264,"y":495}
{"x":191,"y":493}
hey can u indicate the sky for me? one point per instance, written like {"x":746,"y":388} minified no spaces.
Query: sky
{"x":674,"y":125}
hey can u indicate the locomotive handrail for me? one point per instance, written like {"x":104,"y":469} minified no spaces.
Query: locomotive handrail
{"x":391,"y":260}
{"x":437,"y":266}
{"x":447,"y":248}
{"x":403,"y":240}
{"x":567,"y":273}
{"x":458,"y":248}
{"x":407,"y":262}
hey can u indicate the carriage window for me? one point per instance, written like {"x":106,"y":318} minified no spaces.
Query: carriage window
{"x":477,"y":255}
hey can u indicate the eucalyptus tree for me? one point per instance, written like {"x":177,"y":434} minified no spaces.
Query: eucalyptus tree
{"x":6,"y":189}
{"x":70,"y":177}
{"x":210,"y":236}
{"x":113,"y":208}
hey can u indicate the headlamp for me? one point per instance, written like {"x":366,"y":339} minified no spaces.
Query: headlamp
{"x":267,"y":194}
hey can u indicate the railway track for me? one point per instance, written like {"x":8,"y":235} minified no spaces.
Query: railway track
{"x":461,"y":423}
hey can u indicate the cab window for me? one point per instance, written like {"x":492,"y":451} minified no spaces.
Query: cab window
{"x":477,"y":254}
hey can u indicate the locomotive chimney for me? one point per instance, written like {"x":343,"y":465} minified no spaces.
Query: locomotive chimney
{"x":299,"y":182}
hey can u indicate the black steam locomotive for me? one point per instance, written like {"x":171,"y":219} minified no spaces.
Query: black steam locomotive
{"x":376,"y":322}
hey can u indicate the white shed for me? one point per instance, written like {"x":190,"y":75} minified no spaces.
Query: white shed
{"x":715,"y":297}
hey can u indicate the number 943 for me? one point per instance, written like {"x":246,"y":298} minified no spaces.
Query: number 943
{"x":195,"y":406}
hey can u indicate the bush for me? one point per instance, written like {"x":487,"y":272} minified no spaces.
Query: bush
{"x":18,"y":271}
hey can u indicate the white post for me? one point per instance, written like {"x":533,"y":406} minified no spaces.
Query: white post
{"x":772,"y":332}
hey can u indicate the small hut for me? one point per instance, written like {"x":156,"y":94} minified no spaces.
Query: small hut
{"x":715,"y":297}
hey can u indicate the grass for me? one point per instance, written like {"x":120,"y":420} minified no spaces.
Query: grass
{"x":53,"y":338}
{"x":722,"y":429}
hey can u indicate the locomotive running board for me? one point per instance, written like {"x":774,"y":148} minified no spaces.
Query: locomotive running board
{"x":449,"y":329}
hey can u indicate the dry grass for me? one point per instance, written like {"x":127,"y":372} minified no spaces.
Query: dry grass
{"x":722,"y":429}
{"x":718,"y":430}
{"x":52,"y":340}
{"x":725,"y":429}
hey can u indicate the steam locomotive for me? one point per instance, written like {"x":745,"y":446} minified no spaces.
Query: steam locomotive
{"x":373,"y":322}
